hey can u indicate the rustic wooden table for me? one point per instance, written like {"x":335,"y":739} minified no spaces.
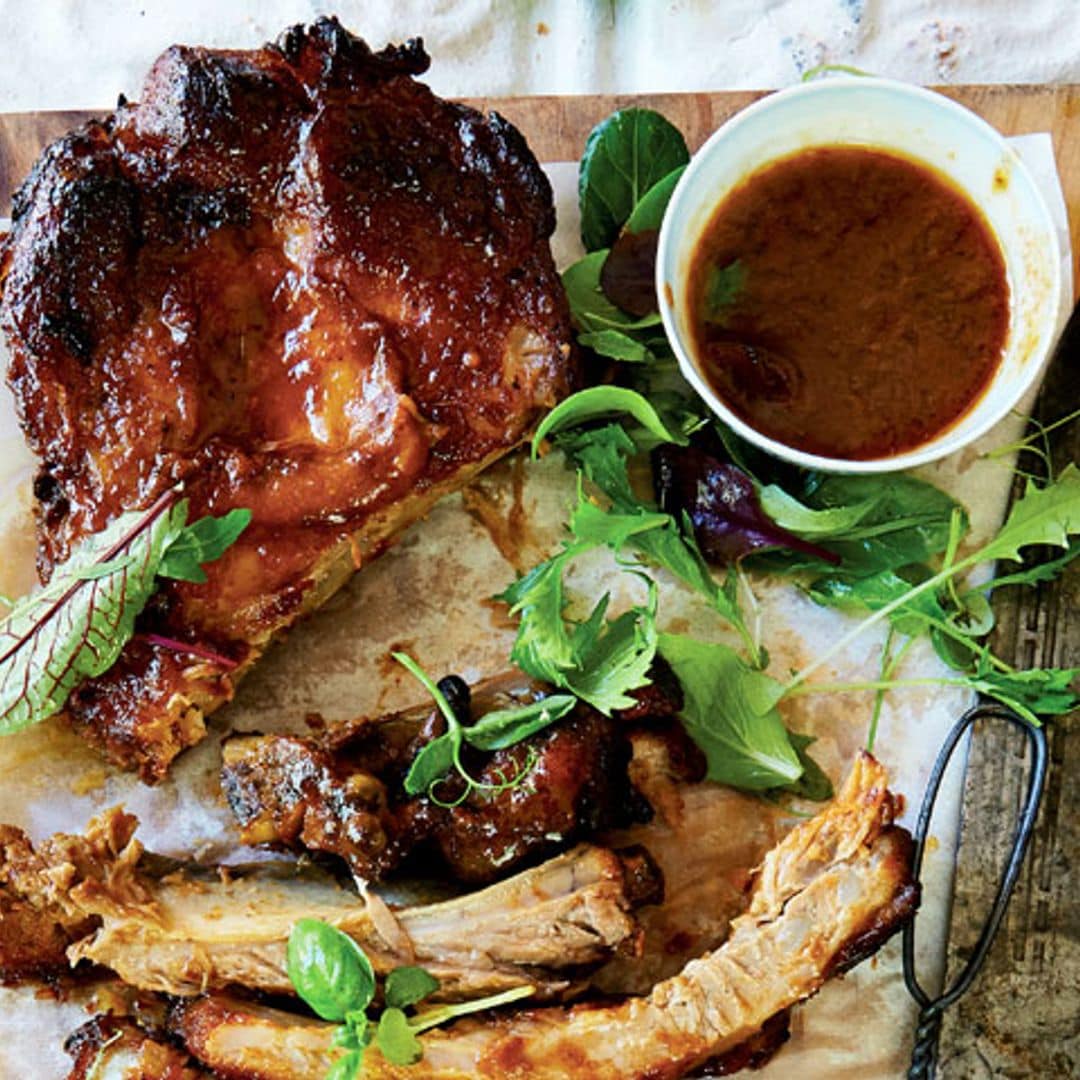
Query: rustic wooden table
{"x":1022,"y":1018}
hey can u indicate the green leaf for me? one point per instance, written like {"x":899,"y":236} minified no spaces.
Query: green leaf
{"x":202,"y":542}
{"x":602,"y":454}
{"x":396,"y":1039}
{"x":1043,"y":571}
{"x":596,"y":402}
{"x":542,"y":648}
{"x":328,"y":969}
{"x":1043,"y":515}
{"x":407,"y":985}
{"x":807,"y":522}
{"x":617,"y":345}
{"x":505,"y":727}
{"x":347,"y":1067}
{"x":594,"y":525}
{"x":75,"y":627}
{"x":625,"y":155}
{"x":618,"y":660}
{"x":1040,"y":690}
{"x":730,"y":712}
{"x":813,"y":784}
{"x":591,"y":309}
{"x":434,"y":761}
{"x":722,"y":287}
{"x":601,"y":661}
{"x":649,"y":212}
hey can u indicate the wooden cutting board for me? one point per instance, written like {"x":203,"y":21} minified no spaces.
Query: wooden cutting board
{"x":556,"y":126}
{"x":1020,"y":1020}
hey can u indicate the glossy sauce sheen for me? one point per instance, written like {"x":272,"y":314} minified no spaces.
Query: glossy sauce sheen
{"x":868,"y":310}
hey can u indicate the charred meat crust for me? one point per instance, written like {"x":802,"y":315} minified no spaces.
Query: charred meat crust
{"x":342,"y":792}
{"x":296,"y":281}
{"x":143,"y":1055}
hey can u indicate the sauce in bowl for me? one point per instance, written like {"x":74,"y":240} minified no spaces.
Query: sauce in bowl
{"x":848,"y":302}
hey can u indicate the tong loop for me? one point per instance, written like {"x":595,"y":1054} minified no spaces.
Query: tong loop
{"x":924,"y":1055}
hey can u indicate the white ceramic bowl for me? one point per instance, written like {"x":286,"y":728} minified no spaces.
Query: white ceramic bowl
{"x":922,"y":126}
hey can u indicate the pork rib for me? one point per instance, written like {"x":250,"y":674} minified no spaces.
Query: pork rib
{"x":292,"y":280}
{"x":183,"y":932}
{"x":830,"y":893}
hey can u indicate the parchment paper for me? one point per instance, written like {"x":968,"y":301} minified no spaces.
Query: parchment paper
{"x":428,"y":595}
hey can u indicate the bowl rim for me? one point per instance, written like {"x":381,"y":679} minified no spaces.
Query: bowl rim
{"x":939,"y":446}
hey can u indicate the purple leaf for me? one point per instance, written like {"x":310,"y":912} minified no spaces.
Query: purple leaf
{"x":722,"y":504}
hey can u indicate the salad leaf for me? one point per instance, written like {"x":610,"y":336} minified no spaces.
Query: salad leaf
{"x":328,"y":969}
{"x":649,"y":212}
{"x":616,"y":345}
{"x":75,"y":627}
{"x":590,"y":307}
{"x":505,"y":727}
{"x":722,"y":504}
{"x":1043,"y":515}
{"x":334,"y":976}
{"x":625,"y":155}
{"x":730,"y":712}
{"x":202,"y":542}
{"x":602,"y":661}
{"x":596,"y":402}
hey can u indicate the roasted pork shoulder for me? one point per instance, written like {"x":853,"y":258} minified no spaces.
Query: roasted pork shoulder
{"x":292,"y":280}
{"x":825,"y":897}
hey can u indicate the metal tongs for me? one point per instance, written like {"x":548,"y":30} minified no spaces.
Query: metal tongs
{"x":924,"y":1055}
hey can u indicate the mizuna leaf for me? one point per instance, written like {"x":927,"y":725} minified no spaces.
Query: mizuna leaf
{"x":75,"y":627}
{"x":1044,"y":515}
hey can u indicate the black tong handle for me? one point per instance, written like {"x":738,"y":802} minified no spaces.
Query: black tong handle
{"x":924,"y":1055}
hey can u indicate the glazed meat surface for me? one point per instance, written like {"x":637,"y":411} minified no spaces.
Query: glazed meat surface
{"x":342,"y":791}
{"x":291,"y":280}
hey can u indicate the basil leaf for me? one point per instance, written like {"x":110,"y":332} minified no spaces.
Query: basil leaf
{"x":649,"y":212}
{"x":505,"y":727}
{"x":396,"y":1040}
{"x":591,"y":309}
{"x":347,"y":1067}
{"x":328,"y":969}
{"x":600,"y":401}
{"x":625,"y":155}
{"x":730,"y":712}
{"x":617,"y":345}
{"x":202,"y":542}
{"x":433,"y":762}
{"x":406,"y":986}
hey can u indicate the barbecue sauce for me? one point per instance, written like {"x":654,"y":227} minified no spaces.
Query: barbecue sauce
{"x":848,"y":302}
